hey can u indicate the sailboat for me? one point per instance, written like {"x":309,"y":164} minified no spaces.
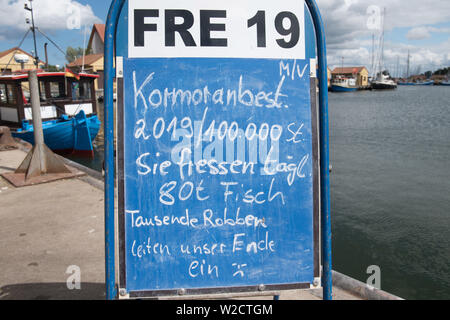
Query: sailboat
{"x":408,"y":81}
{"x":382,"y":79}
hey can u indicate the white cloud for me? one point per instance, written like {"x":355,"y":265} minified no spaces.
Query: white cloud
{"x":424,"y":32}
{"x":349,"y":28}
{"x":50,"y":15}
{"x":418,"y":33}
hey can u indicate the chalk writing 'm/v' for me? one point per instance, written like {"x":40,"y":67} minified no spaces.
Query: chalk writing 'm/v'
{"x":286,"y":70}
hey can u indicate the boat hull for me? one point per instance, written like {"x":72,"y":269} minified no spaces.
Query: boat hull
{"x":335,"y":88}
{"x":73,"y":135}
{"x":430,"y":83}
{"x":383,"y":86}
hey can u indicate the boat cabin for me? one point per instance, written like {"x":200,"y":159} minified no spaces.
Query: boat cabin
{"x":344,"y":81}
{"x":61,"y":93}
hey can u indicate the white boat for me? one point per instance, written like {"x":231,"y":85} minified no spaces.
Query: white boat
{"x":341,"y":84}
{"x":383,"y":81}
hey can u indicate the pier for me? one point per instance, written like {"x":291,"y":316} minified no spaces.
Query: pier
{"x":50,"y":230}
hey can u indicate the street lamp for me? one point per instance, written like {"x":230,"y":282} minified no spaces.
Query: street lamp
{"x":36,"y":58}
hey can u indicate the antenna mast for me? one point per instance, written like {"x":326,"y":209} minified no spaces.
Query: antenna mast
{"x":84,"y":48}
{"x":33,"y":28}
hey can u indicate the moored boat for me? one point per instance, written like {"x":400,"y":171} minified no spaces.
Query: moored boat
{"x":68,"y":109}
{"x":383,"y":81}
{"x":425,"y":83}
{"x":341,"y":84}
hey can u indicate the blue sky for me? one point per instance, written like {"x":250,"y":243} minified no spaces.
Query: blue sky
{"x":60,"y":34}
{"x":422,"y":27}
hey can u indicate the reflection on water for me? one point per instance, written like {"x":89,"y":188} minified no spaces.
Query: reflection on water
{"x":97,"y":162}
{"x":390,"y":187}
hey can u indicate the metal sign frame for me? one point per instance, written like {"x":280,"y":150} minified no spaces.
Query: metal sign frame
{"x":110,"y":254}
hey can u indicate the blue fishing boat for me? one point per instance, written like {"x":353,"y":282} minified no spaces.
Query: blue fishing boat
{"x":65,"y":135}
{"x":342,"y":84}
{"x":425,"y":83}
{"x":68,"y":110}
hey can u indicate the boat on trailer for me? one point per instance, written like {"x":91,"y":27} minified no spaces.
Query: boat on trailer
{"x":68,"y":110}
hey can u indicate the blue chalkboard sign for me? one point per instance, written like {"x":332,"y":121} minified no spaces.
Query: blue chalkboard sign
{"x":217,"y":147}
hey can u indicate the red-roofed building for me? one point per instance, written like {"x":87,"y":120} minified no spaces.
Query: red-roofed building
{"x":97,"y":39}
{"x":361,"y":74}
{"x":329,"y":76}
{"x":9,"y":65}
{"x":93,"y":62}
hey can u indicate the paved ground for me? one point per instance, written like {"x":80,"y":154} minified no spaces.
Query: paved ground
{"x":46,"y":229}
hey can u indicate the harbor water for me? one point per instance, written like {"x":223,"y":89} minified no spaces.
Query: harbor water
{"x":390,"y":187}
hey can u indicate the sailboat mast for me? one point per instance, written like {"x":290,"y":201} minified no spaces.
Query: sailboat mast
{"x":397,"y":68}
{"x":407,"y":66}
{"x":382,"y":42}
{"x":373,"y":54}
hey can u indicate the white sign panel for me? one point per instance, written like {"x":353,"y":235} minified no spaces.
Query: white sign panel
{"x":264,"y":29}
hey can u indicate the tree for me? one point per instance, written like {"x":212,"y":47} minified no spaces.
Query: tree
{"x":74,"y":53}
{"x":53,"y":68}
{"x":442,"y":72}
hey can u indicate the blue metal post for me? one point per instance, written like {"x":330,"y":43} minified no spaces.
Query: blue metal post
{"x":327,"y":280}
{"x":110,"y":33}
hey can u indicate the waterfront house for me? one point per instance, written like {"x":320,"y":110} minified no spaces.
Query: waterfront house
{"x":97,"y":39}
{"x":417,"y":78}
{"x":9,"y":65}
{"x":329,"y":76}
{"x":360,"y":74}
{"x":438,"y":78}
{"x":93,"y":62}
